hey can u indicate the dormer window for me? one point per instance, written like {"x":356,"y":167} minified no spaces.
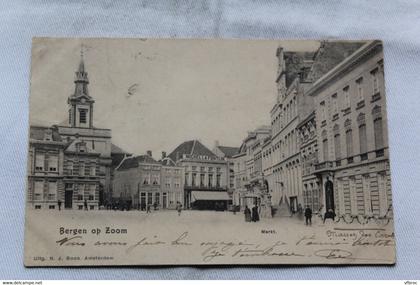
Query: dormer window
{"x":48,"y":135}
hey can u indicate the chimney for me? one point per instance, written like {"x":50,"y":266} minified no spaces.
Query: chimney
{"x":177,"y":156}
{"x":216,"y":143}
{"x":149,"y":153}
{"x":163,"y":154}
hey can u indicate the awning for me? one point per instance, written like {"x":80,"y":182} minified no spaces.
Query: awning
{"x":209,"y":195}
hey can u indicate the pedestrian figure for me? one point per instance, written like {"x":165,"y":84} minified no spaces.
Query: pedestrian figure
{"x":148,"y":209}
{"x":247,"y":213}
{"x":255,"y":215}
{"x":59,"y":205}
{"x":329,"y":215}
{"x":308,"y":216}
{"x":179,"y":208}
{"x":86,"y":205}
{"x":300,"y":211}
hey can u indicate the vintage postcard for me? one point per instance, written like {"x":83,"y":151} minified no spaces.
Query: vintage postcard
{"x":205,"y":152}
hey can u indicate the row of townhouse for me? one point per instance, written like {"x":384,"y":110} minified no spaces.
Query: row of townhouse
{"x":327,"y":145}
{"x":191,"y":175}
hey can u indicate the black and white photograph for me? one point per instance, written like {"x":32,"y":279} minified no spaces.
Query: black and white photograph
{"x":207,"y":152}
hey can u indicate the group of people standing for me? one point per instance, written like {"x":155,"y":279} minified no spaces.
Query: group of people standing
{"x":251,"y":215}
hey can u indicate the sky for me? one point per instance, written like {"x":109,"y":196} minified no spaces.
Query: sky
{"x":156,"y":94}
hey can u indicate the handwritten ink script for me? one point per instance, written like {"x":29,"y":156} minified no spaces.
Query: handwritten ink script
{"x":335,"y":244}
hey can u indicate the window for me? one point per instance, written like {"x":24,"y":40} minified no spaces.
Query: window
{"x":186,"y":178}
{"x":378,"y":130}
{"x":202,"y":179}
{"x":48,"y":135}
{"x":146,"y":180}
{"x":177,"y":183}
{"x":70,"y":168}
{"x":92,"y":207}
{"x":92,"y":190}
{"x":155,"y":179}
{"x":38,"y":190}
{"x":80,"y":207}
{"x":346,"y":97}
{"x":93,"y":170}
{"x":362,"y":139}
{"x":80,"y":191}
{"x":359,"y":84}
{"x":324,"y":145}
{"x":52,"y":190}
{"x":81,"y":169}
{"x":349,"y":142}
{"x":194,"y":176}
{"x":210,"y":180}
{"x":82,"y":116}
{"x":149,"y":198}
{"x":157,"y":198}
{"x":362,"y":136}
{"x":51,"y":207}
{"x":375,"y":80}
{"x":323,"y":111}
{"x":334,"y":103}
{"x":39,"y":162}
{"x":218,"y":180}
{"x":38,"y":207}
{"x":337,"y":146}
{"x":168,"y":182}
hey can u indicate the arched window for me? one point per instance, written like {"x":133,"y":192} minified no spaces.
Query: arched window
{"x":349,"y":138}
{"x":362,"y":136}
{"x":337,"y":143}
{"x":378,"y":127}
{"x":324,"y":145}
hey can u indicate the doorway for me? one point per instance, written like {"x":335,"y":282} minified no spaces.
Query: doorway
{"x":329,"y":196}
{"x":68,"y":199}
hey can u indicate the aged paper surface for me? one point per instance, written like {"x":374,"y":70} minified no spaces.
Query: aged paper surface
{"x":201,"y":152}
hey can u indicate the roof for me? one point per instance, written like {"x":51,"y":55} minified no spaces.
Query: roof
{"x":228,"y":151}
{"x":40,"y":133}
{"x":329,"y":54}
{"x":193,"y":148}
{"x":167,"y":161}
{"x":296,"y":63}
{"x":116,"y":149}
{"x":134,"y":161}
{"x":209,"y":195}
{"x":368,"y":47}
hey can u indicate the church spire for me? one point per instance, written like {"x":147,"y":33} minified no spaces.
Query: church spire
{"x":81,"y":81}
{"x":80,"y":103}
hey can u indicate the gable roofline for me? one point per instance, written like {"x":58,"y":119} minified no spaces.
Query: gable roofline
{"x":348,"y":63}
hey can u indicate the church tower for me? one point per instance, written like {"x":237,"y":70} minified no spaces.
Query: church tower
{"x":80,"y":103}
